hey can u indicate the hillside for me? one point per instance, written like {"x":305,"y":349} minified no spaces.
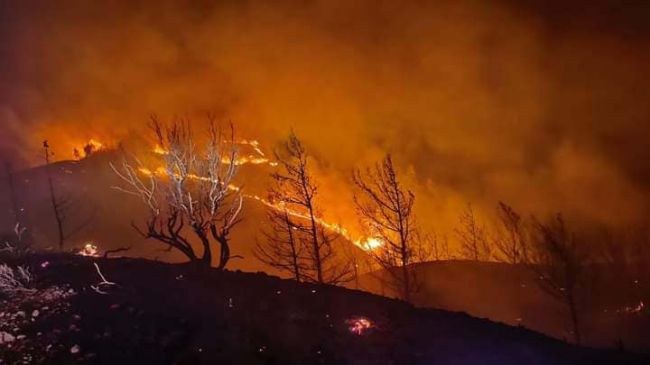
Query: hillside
{"x":499,"y":292}
{"x":103,"y":215}
{"x":173,"y":314}
{"x":510,"y":294}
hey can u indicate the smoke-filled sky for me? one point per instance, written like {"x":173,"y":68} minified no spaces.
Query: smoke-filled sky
{"x":538,"y":103}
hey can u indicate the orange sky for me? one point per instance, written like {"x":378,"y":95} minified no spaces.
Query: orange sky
{"x":542,"y":106}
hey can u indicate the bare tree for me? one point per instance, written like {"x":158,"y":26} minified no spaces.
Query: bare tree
{"x":474,"y":244}
{"x":294,"y":189}
{"x":56,"y":203}
{"x":193,"y":192}
{"x":559,"y":262}
{"x":387,"y":210}
{"x":351,"y":253}
{"x":282,"y":248}
{"x":62,"y":204}
{"x":509,"y":239}
{"x":439,"y":247}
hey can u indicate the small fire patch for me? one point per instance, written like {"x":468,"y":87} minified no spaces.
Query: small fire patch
{"x":359,"y":325}
{"x":89,"y":250}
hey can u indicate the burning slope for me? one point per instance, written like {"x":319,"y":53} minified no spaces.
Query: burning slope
{"x":258,"y":159}
{"x":365,"y":243}
{"x":171,"y":314}
{"x":110,"y":215}
{"x":88,"y":149}
{"x":368,"y":243}
{"x":362,"y":77}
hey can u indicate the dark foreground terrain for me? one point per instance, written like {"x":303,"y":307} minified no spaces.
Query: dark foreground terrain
{"x":175,"y":314}
{"x":613,"y":303}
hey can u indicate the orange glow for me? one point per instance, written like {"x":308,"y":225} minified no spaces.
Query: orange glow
{"x":89,"y":249}
{"x":365,"y":243}
{"x":258,"y":159}
{"x":359,"y":325}
{"x":371,"y":243}
{"x":159,"y":150}
{"x":87,"y":149}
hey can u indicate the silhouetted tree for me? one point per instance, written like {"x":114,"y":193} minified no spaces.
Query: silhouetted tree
{"x":193,"y":192}
{"x":295,"y":189}
{"x":439,"y":248}
{"x":474,"y":244}
{"x":63,"y":205}
{"x":558,"y":260}
{"x":387,"y":210}
{"x":57,"y":205}
{"x":282,"y":248}
{"x":509,"y":239}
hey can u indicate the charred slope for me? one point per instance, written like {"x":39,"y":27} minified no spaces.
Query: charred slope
{"x":510,"y":294}
{"x":173,"y":314}
{"x":105,"y":215}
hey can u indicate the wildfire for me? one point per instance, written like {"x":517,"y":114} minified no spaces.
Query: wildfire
{"x":162,"y":171}
{"x":89,"y":250}
{"x":253,"y":143}
{"x":371,"y":243}
{"x":635,"y":309}
{"x":366,"y":244}
{"x":259,"y":159}
{"x":359,"y":325}
{"x":159,"y":150}
{"x":88,"y":149}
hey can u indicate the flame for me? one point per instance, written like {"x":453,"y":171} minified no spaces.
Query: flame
{"x":89,"y":250}
{"x":259,"y":159}
{"x":366,"y":244}
{"x":253,"y":143}
{"x":82,"y":151}
{"x":162,"y":171}
{"x":371,"y":243}
{"x":635,"y":309}
{"x":159,"y":150}
{"x":359,"y":325}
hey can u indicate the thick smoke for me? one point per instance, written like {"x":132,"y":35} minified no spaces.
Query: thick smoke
{"x":539,"y":105}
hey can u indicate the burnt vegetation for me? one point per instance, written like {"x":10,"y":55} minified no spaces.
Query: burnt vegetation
{"x":193,"y":192}
{"x":158,"y":313}
{"x":386,"y":208}
{"x":193,"y":202}
{"x":63,"y":204}
{"x":302,"y":244}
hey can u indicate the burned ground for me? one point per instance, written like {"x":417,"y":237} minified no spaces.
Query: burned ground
{"x":162,"y":313}
{"x":613,"y":303}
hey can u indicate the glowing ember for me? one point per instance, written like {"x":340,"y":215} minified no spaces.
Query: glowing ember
{"x":89,"y":250}
{"x":636,"y":309}
{"x":359,"y":325}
